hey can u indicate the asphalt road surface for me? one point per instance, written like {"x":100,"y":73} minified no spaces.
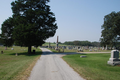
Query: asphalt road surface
{"x":51,"y":66}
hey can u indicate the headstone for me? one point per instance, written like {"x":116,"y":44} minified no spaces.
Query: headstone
{"x":63,"y":50}
{"x":16,"y":54}
{"x":49,"y":45}
{"x":57,"y":43}
{"x":106,"y":47}
{"x":59,"y":50}
{"x":80,"y":50}
{"x":1,"y":52}
{"x":33,"y":51}
{"x":12,"y":48}
{"x":83,"y":56}
{"x":114,"y":59}
{"x":95,"y":49}
{"x":90,"y":50}
{"x":102,"y":48}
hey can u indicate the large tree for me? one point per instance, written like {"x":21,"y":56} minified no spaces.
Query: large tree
{"x":111,"y":29}
{"x":33,"y":22}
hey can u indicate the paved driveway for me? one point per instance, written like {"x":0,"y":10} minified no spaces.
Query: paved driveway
{"x":51,"y":66}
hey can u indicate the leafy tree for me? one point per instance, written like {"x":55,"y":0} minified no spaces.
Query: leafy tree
{"x":59,"y":43}
{"x":33,"y":22}
{"x":76,"y":43}
{"x":6,"y":35}
{"x":95,"y":44}
{"x":111,"y":29}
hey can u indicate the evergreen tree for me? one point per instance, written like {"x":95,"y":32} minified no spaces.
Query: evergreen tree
{"x":33,"y":22}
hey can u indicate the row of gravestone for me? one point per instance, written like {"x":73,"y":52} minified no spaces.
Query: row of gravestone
{"x":90,"y":48}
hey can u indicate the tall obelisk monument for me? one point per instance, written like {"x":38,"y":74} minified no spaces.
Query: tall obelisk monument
{"x":57,"y":43}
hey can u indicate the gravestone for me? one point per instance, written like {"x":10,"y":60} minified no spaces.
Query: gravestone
{"x":63,"y":50}
{"x":33,"y":51}
{"x":49,"y":45}
{"x":57,"y":43}
{"x":106,"y":48}
{"x":102,"y":48}
{"x":16,"y":54}
{"x":114,"y":59}
{"x":90,"y":50}
{"x":1,"y":52}
{"x":95,"y":49}
{"x":80,"y":50}
{"x":83,"y":56}
{"x":12,"y":48}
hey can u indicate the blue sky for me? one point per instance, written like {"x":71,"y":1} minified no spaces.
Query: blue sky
{"x":76,"y":19}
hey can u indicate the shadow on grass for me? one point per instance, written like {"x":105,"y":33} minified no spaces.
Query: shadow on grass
{"x":26,"y":53}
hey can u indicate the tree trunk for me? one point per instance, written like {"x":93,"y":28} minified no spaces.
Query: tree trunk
{"x":29,"y":49}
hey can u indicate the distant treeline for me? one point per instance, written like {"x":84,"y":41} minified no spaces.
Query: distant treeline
{"x":82,"y":43}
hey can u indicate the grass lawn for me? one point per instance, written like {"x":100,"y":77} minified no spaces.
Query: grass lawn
{"x":94,"y":66}
{"x":17,"y":67}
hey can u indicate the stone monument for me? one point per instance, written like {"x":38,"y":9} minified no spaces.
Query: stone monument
{"x":49,"y":45}
{"x":16,"y":54}
{"x":114,"y":59}
{"x":57,"y":44}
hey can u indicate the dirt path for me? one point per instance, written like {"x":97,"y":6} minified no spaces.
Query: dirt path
{"x":52,"y":67}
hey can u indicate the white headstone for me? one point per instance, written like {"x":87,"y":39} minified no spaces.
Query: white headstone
{"x":12,"y":48}
{"x":83,"y":56}
{"x":114,"y":59}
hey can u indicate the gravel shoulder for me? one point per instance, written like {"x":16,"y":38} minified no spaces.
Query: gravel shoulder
{"x":51,"y":66}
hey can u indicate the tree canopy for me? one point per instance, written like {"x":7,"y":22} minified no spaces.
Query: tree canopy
{"x":33,"y":22}
{"x":111,"y":29}
{"x":6,"y":36}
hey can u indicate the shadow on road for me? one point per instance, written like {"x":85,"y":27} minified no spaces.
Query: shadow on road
{"x":66,"y":53}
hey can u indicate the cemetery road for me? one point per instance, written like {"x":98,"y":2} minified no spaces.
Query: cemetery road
{"x":51,"y":66}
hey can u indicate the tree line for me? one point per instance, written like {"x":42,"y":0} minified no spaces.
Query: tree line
{"x":82,"y":43}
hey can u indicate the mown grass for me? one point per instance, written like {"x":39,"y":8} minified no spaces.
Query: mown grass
{"x":94,"y":66}
{"x":17,"y":67}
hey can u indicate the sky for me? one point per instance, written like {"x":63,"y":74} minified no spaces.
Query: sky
{"x":76,"y":19}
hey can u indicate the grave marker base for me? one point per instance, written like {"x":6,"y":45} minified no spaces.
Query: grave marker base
{"x":114,"y":59}
{"x":113,"y":63}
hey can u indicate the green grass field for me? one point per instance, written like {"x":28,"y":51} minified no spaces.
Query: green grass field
{"x":94,"y":66}
{"x":17,"y":67}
